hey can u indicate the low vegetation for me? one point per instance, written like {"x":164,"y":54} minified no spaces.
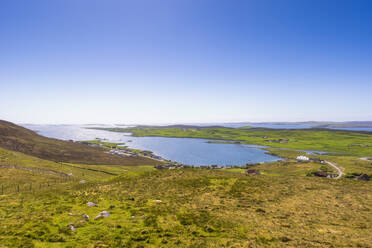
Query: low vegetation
{"x":193,"y":208}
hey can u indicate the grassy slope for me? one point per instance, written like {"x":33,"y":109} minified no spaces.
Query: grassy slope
{"x":20,"y":139}
{"x":21,"y":169}
{"x":199,"y":208}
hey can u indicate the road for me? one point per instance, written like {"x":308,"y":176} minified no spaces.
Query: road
{"x":340,"y":173}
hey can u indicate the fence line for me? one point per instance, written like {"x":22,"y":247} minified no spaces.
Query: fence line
{"x":32,"y":186}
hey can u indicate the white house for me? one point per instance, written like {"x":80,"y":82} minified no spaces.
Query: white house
{"x":303,"y":159}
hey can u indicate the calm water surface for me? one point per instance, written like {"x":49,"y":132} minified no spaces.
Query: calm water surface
{"x":184,"y":150}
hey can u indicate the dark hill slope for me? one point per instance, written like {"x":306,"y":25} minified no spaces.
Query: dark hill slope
{"x":16,"y":138}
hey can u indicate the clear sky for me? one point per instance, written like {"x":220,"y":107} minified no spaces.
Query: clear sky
{"x":184,"y":61}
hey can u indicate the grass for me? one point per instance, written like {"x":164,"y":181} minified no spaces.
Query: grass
{"x":21,"y":169}
{"x":197,"y":208}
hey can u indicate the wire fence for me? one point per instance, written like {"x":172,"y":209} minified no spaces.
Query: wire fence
{"x":6,"y":189}
{"x":59,"y":178}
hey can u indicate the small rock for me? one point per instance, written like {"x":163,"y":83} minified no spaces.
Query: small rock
{"x":92,"y":204}
{"x":157,"y":201}
{"x":72,"y":227}
{"x":98,"y":217}
{"x":86,"y":216}
{"x":103,"y":214}
{"x":70,"y":174}
{"x":82,"y":181}
{"x":71,"y":214}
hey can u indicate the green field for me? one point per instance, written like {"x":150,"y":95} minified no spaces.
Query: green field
{"x":344,"y":142}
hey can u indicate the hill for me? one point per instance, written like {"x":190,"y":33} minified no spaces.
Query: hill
{"x":16,"y":138}
{"x":192,"y":208}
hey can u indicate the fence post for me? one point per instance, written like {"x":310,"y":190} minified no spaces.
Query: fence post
{"x":2,"y":189}
{"x":17,"y":187}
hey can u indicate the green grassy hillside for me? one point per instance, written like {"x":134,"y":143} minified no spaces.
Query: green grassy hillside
{"x":192,"y":208}
{"x":25,"y":171}
{"x":16,"y":138}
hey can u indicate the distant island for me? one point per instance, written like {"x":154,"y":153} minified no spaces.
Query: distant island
{"x":314,"y":124}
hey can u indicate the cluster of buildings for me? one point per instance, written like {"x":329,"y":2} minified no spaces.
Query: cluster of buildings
{"x":213,"y":166}
{"x":208,"y":167}
{"x":128,"y":152}
{"x":122,"y":151}
{"x":151,"y":155}
{"x":171,"y":166}
{"x":89,"y":144}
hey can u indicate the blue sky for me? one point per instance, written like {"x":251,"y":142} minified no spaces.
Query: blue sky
{"x":175,"y":61}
